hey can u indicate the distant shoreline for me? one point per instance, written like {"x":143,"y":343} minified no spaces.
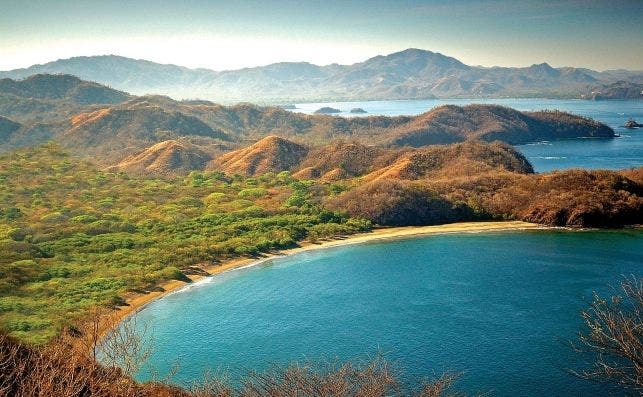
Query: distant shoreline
{"x":137,"y":302}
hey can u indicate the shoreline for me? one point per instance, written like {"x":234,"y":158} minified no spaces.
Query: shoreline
{"x":136,"y":302}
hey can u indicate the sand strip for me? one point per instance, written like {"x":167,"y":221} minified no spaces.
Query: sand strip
{"x":136,"y":302}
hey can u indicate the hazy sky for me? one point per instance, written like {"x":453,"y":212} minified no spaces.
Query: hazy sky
{"x":232,"y":34}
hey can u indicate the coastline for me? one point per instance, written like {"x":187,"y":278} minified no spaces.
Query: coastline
{"x":136,"y":301}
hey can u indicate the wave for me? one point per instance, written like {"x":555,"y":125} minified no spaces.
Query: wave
{"x":540,"y":143}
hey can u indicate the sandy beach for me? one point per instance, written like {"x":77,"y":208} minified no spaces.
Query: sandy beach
{"x":136,"y":302}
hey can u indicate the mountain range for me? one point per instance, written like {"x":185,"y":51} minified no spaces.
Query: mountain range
{"x":159,"y":135}
{"x":408,"y":74}
{"x":447,"y":164}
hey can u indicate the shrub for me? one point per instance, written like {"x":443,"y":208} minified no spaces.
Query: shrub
{"x":252,"y":193}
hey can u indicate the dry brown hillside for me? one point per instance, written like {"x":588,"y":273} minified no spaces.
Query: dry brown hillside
{"x":271,"y":154}
{"x":83,"y":118}
{"x":576,"y":198}
{"x":343,"y":160}
{"x":110,"y":134}
{"x":166,"y":158}
{"x":91,"y":121}
{"x":449,"y":123}
{"x":453,"y":161}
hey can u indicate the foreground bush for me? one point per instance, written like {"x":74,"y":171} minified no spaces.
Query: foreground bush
{"x":60,"y":369}
{"x":614,"y":338}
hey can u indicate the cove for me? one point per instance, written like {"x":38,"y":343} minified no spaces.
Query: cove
{"x":499,"y":307}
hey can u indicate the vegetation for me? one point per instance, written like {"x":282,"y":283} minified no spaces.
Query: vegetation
{"x":110,"y":127}
{"x":572,"y":198}
{"x":271,"y":154}
{"x":62,"y":369}
{"x":45,"y":97}
{"x":183,"y":190}
{"x":73,"y":237}
{"x":393,"y":202}
{"x":341,"y":160}
{"x":167,"y":158}
{"x":614,"y":338}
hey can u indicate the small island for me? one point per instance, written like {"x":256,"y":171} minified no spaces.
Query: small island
{"x":632,"y":124}
{"x":327,"y":110}
{"x":358,"y":111}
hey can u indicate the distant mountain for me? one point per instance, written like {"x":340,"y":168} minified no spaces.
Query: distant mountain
{"x":131,"y":75}
{"x":409,"y":74}
{"x":619,"y":90}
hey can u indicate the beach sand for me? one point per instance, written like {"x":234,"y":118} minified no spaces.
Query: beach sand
{"x":136,"y":302}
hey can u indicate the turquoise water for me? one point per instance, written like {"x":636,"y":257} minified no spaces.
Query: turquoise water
{"x":499,"y":306}
{"x":618,"y":153}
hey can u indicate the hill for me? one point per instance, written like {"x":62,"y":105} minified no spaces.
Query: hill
{"x":110,"y":134}
{"x":446,"y":124}
{"x":52,"y":97}
{"x":408,"y":74}
{"x":271,"y":154}
{"x":66,"y":87}
{"x":343,"y":160}
{"x":449,"y":123}
{"x":7,"y":128}
{"x":453,"y":161}
{"x":618,"y":90}
{"x":165,"y":158}
{"x":574,"y":198}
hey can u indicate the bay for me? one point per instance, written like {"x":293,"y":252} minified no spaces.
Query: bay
{"x":499,"y":307}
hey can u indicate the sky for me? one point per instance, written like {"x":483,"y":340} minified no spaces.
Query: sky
{"x":233,"y":34}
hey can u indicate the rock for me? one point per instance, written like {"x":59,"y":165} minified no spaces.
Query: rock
{"x":327,"y":110}
{"x":358,"y":110}
{"x":631,"y":124}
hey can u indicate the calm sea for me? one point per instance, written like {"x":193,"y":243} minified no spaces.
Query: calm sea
{"x":619,"y":153}
{"x":499,"y":307}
